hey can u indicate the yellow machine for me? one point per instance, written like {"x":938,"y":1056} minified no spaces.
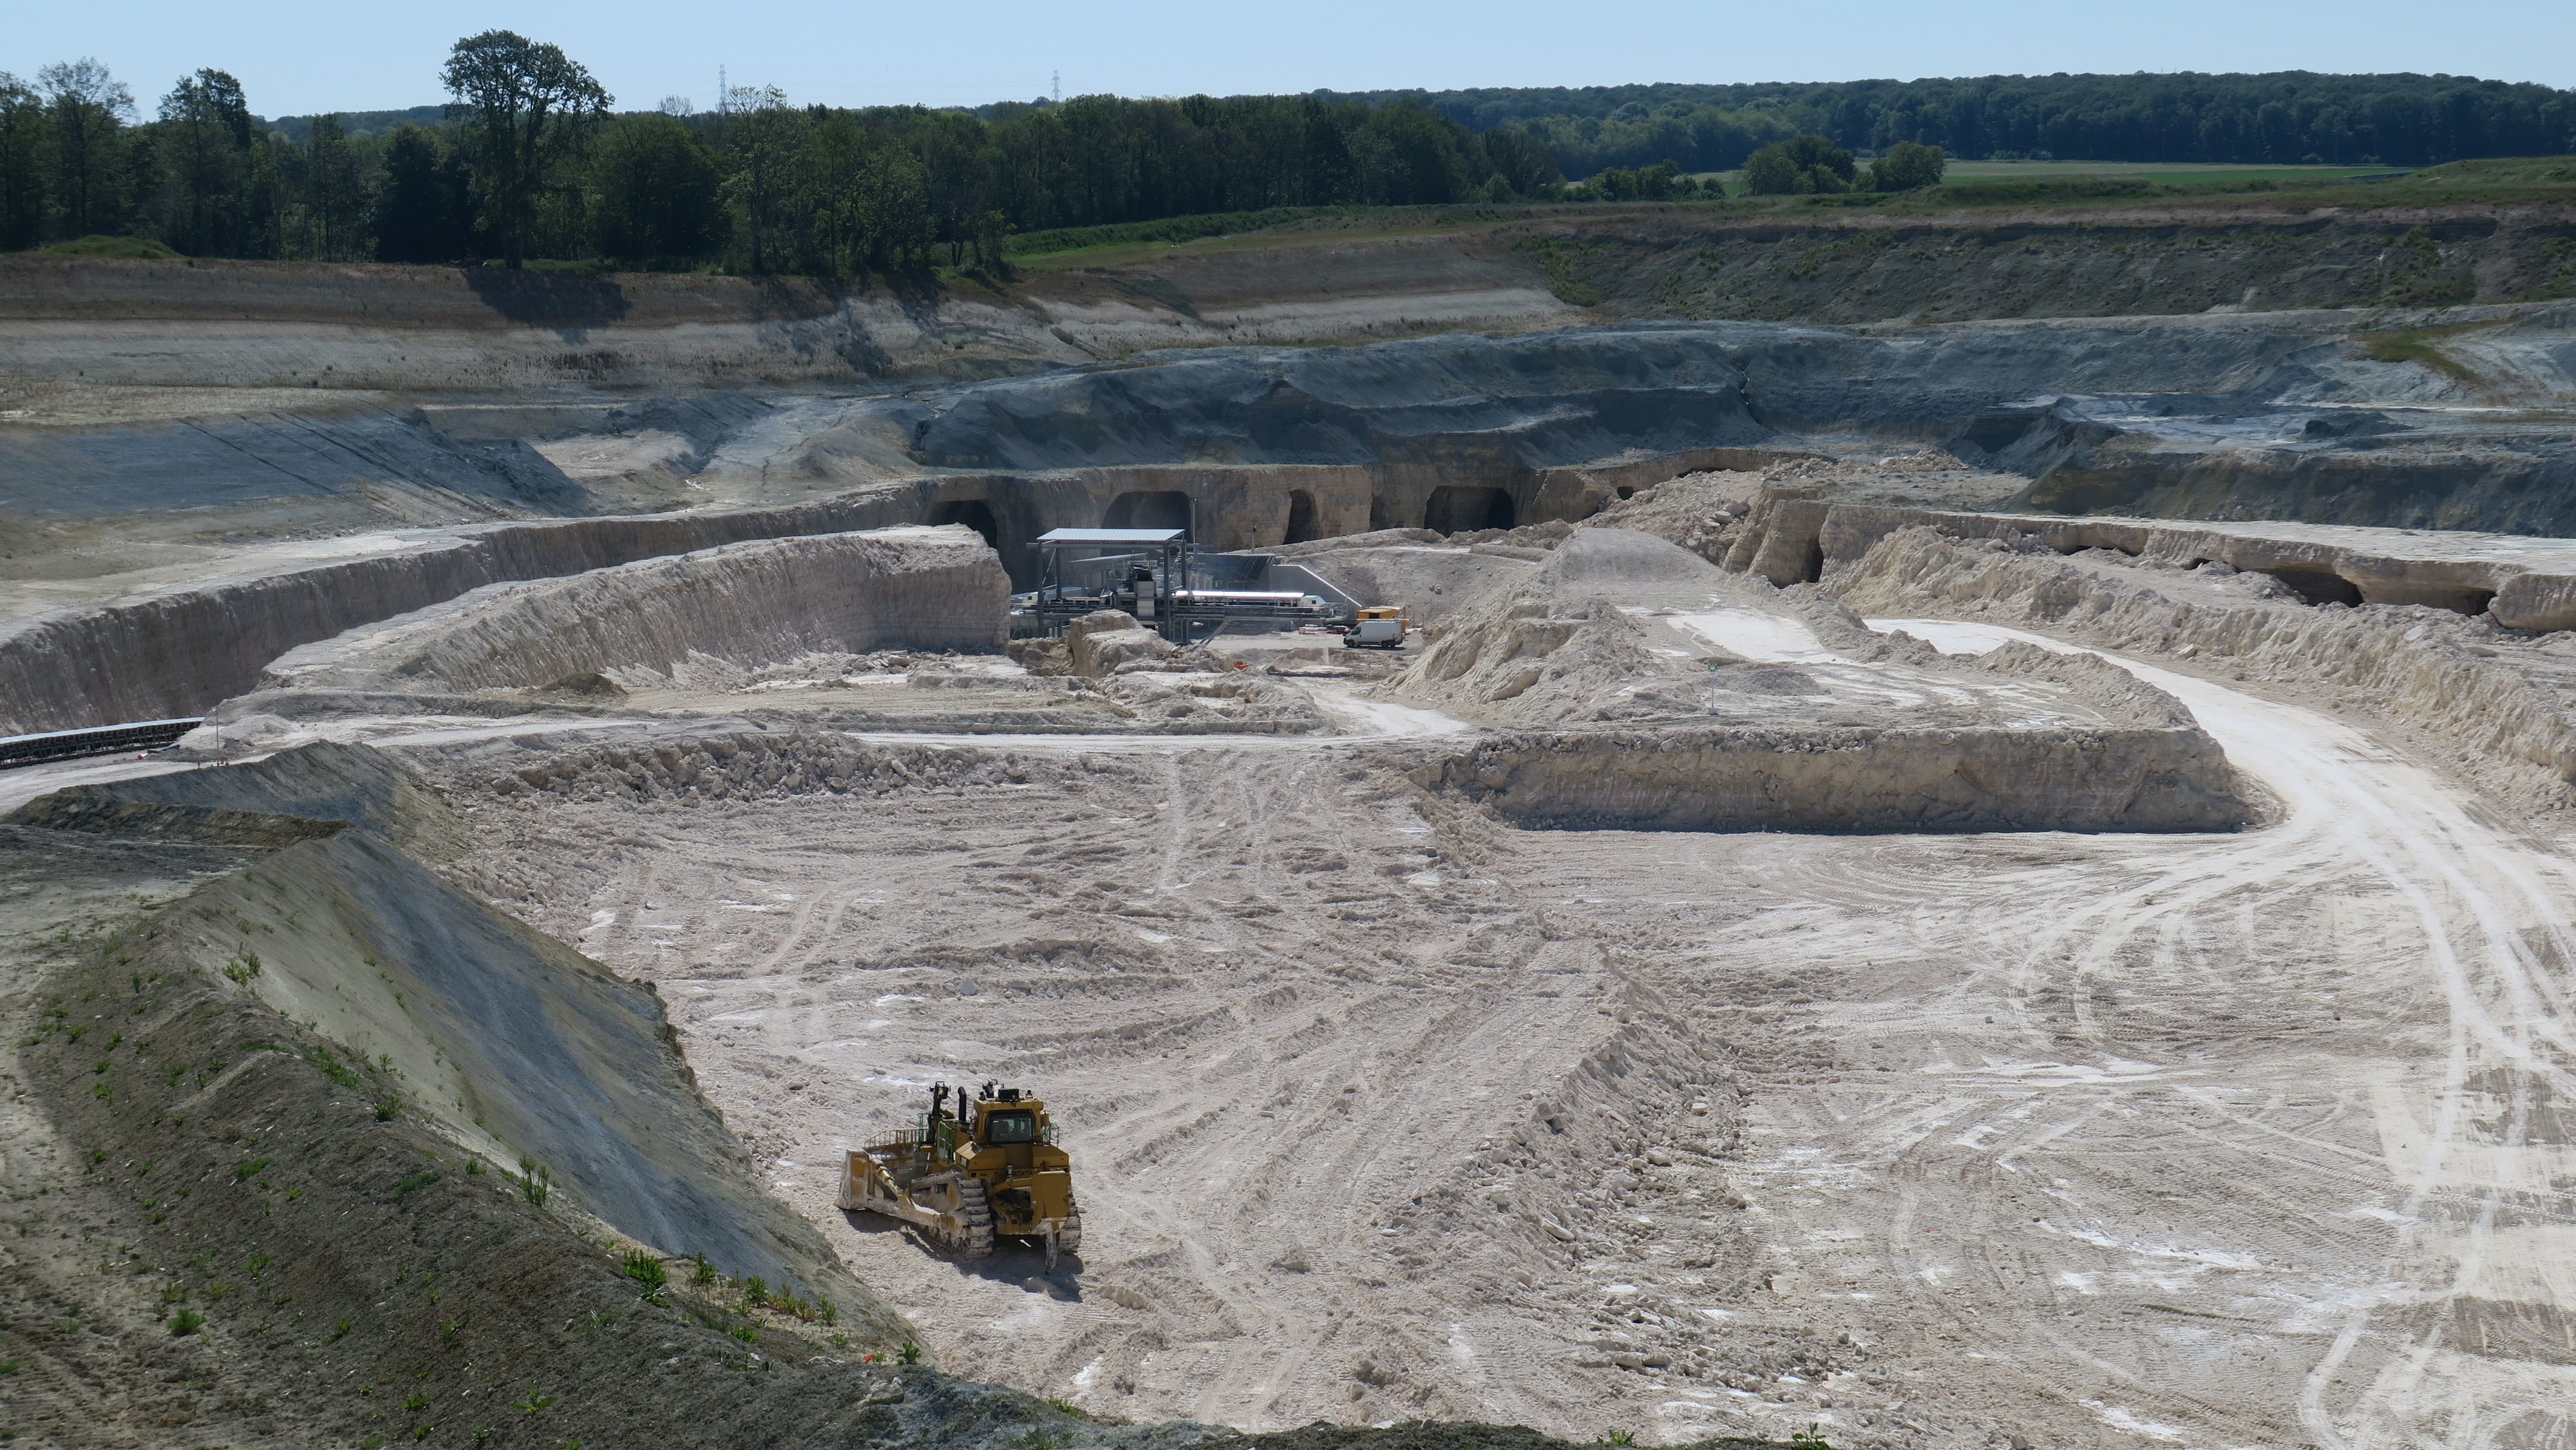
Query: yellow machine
{"x":1379,"y":626}
{"x":970,"y":1176}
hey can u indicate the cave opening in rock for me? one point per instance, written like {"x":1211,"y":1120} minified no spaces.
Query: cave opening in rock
{"x":2471,"y":602}
{"x":1458,"y":508}
{"x":1304,"y":524}
{"x":974,"y":513}
{"x":1144,"y":509}
{"x":2318,"y":586}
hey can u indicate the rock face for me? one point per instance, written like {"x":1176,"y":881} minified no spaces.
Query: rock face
{"x":182,"y":650}
{"x":2461,"y":679}
{"x":753,"y":603}
{"x":2525,"y":583}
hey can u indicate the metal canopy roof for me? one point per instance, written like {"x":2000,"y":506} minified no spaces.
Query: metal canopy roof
{"x":1112,"y":536}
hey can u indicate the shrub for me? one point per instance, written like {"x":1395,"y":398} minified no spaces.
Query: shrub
{"x":187,"y":1321}
{"x":138,"y":249}
{"x":646,"y":1269}
{"x":1798,"y":166}
{"x":416,"y":1182}
{"x":1906,"y":166}
{"x":536,"y":1182}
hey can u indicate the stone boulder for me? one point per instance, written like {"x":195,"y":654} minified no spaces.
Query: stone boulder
{"x":1110,"y":642}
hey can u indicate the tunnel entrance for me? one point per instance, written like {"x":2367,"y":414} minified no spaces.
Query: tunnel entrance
{"x":2318,"y":586}
{"x":1457,"y":509}
{"x":974,"y":513}
{"x":1304,"y":527}
{"x":1167,"y":509}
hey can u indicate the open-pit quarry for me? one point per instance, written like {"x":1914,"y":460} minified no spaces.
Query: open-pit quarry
{"x":1999,"y":884}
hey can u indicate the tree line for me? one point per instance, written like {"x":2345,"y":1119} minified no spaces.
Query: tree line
{"x":2277,"y":117}
{"x":531,"y":160}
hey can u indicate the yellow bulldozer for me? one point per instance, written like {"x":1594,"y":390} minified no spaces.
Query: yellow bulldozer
{"x":972,"y":1175}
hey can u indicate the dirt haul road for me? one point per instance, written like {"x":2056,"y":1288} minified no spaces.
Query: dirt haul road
{"x":1383,"y":1111}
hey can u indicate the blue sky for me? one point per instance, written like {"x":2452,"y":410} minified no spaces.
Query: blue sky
{"x":294,"y":56}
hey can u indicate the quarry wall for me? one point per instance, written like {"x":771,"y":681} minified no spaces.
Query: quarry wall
{"x":2523,"y":583}
{"x":2432,"y":672}
{"x":757,"y":602}
{"x":180,"y":650}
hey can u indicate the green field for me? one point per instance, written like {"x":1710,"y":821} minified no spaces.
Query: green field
{"x":2172,"y":173}
{"x":2161,"y":170}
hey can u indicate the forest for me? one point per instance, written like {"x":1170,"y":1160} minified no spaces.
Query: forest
{"x":530,"y":158}
{"x":2284,"y":117}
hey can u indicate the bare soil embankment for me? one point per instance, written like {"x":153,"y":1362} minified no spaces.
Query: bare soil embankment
{"x":1639,"y":687}
{"x":181,"y":649}
{"x":757,"y":603}
{"x":2461,"y":637}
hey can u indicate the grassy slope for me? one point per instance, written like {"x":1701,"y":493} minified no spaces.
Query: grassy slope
{"x":1972,"y":186}
{"x":2058,"y":245}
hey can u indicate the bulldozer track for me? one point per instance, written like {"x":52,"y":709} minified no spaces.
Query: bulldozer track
{"x":974,"y":1212}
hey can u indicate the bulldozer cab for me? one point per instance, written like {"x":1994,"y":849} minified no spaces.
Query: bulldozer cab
{"x":1001,"y":1126}
{"x":1008,"y":1127}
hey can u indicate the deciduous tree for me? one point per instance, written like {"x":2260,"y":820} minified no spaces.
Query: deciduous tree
{"x":1801,"y":164}
{"x":205,"y":155}
{"x":1907,"y":165}
{"x":525,"y":102}
{"x":423,"y":209}
{"x":22,"y":164}
{"x":88,"y":109}
{"x":656,"y":191}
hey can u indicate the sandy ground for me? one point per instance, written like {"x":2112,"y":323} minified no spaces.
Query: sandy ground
{"x":1382,"y":1111}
